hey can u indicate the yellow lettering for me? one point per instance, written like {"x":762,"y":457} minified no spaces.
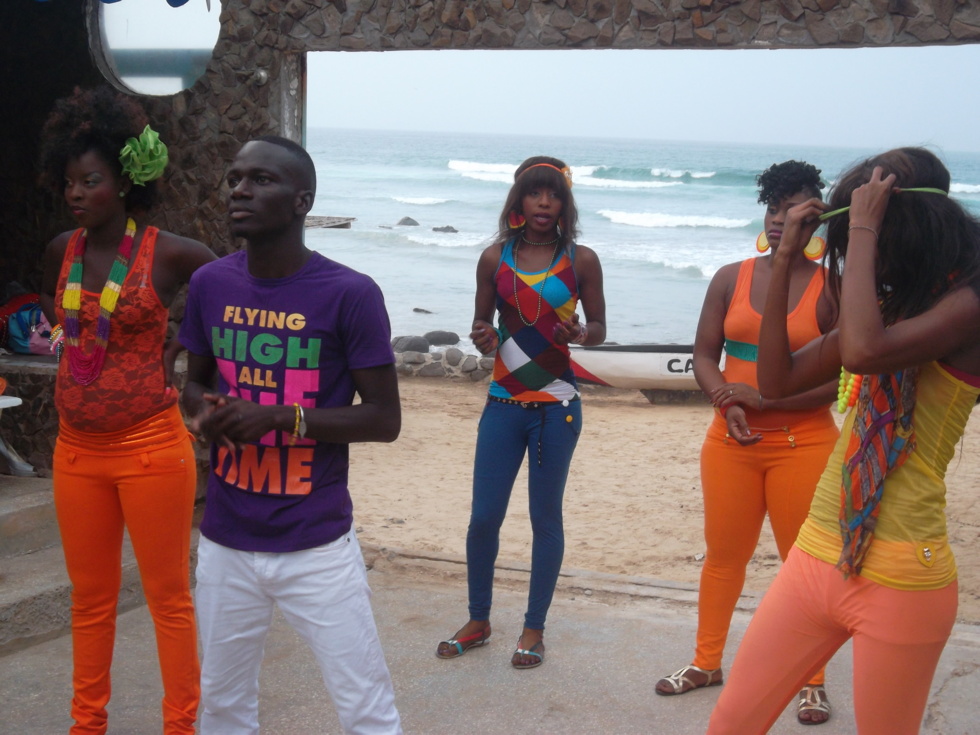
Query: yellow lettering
{"x":229,"y":313}
{"x":245,"y":376}
{"x":276,"y":319}
{"x":295,"y":322}
{"x":251,"y":314}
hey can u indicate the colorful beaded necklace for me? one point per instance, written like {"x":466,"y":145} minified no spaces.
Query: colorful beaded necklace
{"x":86,"y":368}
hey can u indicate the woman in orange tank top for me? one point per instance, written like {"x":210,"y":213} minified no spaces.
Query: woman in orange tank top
{"x":123,"y":457}
{"x":759,"y":456}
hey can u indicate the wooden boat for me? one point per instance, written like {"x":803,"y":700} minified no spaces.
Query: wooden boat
{"x":643,"y":367}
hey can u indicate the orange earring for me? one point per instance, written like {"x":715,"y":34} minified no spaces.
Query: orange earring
{"x":814,"y":249}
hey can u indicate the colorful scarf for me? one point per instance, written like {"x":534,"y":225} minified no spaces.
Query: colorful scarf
{"x":881,"y":440}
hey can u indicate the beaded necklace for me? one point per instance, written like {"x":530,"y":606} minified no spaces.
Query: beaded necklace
{"x":517,"y":301}
{"x":550,"y":242}
{"x":86,"y":368}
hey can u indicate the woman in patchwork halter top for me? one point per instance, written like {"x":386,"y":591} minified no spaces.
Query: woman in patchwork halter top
{"x":533,"y":275}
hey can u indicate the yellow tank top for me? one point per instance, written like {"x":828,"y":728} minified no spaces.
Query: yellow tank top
{"x":910,"y":549}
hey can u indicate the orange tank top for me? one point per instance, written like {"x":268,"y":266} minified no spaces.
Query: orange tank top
{"x":742,"y":326}
{"x":131,"y":387}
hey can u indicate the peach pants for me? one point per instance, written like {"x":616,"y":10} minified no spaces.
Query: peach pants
{"x":143,"y":479}
{"x":740,"y":486}
{"x":807,"y":614}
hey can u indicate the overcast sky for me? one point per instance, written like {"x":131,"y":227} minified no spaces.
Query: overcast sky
{"x":876,"y":98}
{"x":870,"y":98}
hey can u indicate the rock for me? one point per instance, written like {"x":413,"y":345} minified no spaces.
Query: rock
{"x":410,"y":344}
{"x":454,"y":356}
{"x":432,"y":370}
{"x":408,"y":222}
{"x":420,"y":310}
{"x":447,"y":228}
{"x":414,"y":358}
{"x":440,"y":337}
{"x":469,"y":364}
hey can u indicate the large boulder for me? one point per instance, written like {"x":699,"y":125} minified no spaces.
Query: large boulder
{"x":408,"y":222}
{"x":445,"y":228}
{"x":440,"y":337}
{"x":410,"y":344}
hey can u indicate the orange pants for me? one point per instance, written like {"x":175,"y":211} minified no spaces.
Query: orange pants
{"x":143,"y":479}
{"x":740,"y":485}
{"x":807,"y":614}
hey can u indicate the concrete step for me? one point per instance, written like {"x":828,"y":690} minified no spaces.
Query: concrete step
{"x":35,"y":596}
{"x":27,"y":517}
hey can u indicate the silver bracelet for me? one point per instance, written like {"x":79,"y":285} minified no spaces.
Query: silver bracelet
{"x":872,"y":230}
{"x":582,"y":335}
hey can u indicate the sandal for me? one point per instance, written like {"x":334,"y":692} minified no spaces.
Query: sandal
{"x":528,"y":652}
{"x":681,"y":684}
{"x":813,"y":698}
{"x":462,"y":645}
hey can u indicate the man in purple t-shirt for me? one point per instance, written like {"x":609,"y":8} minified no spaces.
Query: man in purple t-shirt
{"x":290,"y":336}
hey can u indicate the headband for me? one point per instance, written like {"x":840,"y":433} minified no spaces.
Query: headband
{"x":566,"y":172}
{"x":144,"y":159}
{"x":926,"y":189}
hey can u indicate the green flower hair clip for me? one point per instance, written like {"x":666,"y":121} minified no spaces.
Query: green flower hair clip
{"x":145,"y":158}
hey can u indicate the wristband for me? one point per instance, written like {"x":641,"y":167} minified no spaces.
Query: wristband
{"x":582,"y":335}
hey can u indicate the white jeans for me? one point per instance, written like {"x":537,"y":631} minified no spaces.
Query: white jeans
{"x":324,"y":595}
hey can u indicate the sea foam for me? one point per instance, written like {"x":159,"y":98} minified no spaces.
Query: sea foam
{"x":422,"y":201}
{"x":657,"y":219}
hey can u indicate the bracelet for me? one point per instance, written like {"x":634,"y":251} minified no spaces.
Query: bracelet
{"x":582,"y":335}
{"x":872,"y":230}
{"x":760,"y":401}
{"x":299,"y":419}
{"x":56,"y":341}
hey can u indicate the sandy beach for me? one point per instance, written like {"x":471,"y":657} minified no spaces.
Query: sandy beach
{"x":633,"y":501}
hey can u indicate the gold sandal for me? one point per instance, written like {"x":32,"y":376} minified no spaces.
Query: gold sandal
{"x":681,"y":684}
{"x":813,"y":698}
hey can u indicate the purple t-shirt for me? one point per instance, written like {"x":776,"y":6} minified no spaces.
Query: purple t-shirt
{"x":280,"y":342}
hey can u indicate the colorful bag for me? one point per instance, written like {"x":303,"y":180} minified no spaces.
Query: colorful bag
{"x":28,"y":331}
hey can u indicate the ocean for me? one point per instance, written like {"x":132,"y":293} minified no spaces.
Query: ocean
{"x":662,"y":216}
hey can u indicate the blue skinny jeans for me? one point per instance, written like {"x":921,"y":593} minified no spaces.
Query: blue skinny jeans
{"x":548,"y":435}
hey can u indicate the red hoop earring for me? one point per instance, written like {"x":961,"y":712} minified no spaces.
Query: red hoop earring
{"x":515,"y":221}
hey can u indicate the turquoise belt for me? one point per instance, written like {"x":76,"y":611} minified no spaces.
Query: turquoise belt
{"x":742,"y":350}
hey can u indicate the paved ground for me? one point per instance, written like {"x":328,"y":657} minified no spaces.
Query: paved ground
{"x":609,"y":639}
